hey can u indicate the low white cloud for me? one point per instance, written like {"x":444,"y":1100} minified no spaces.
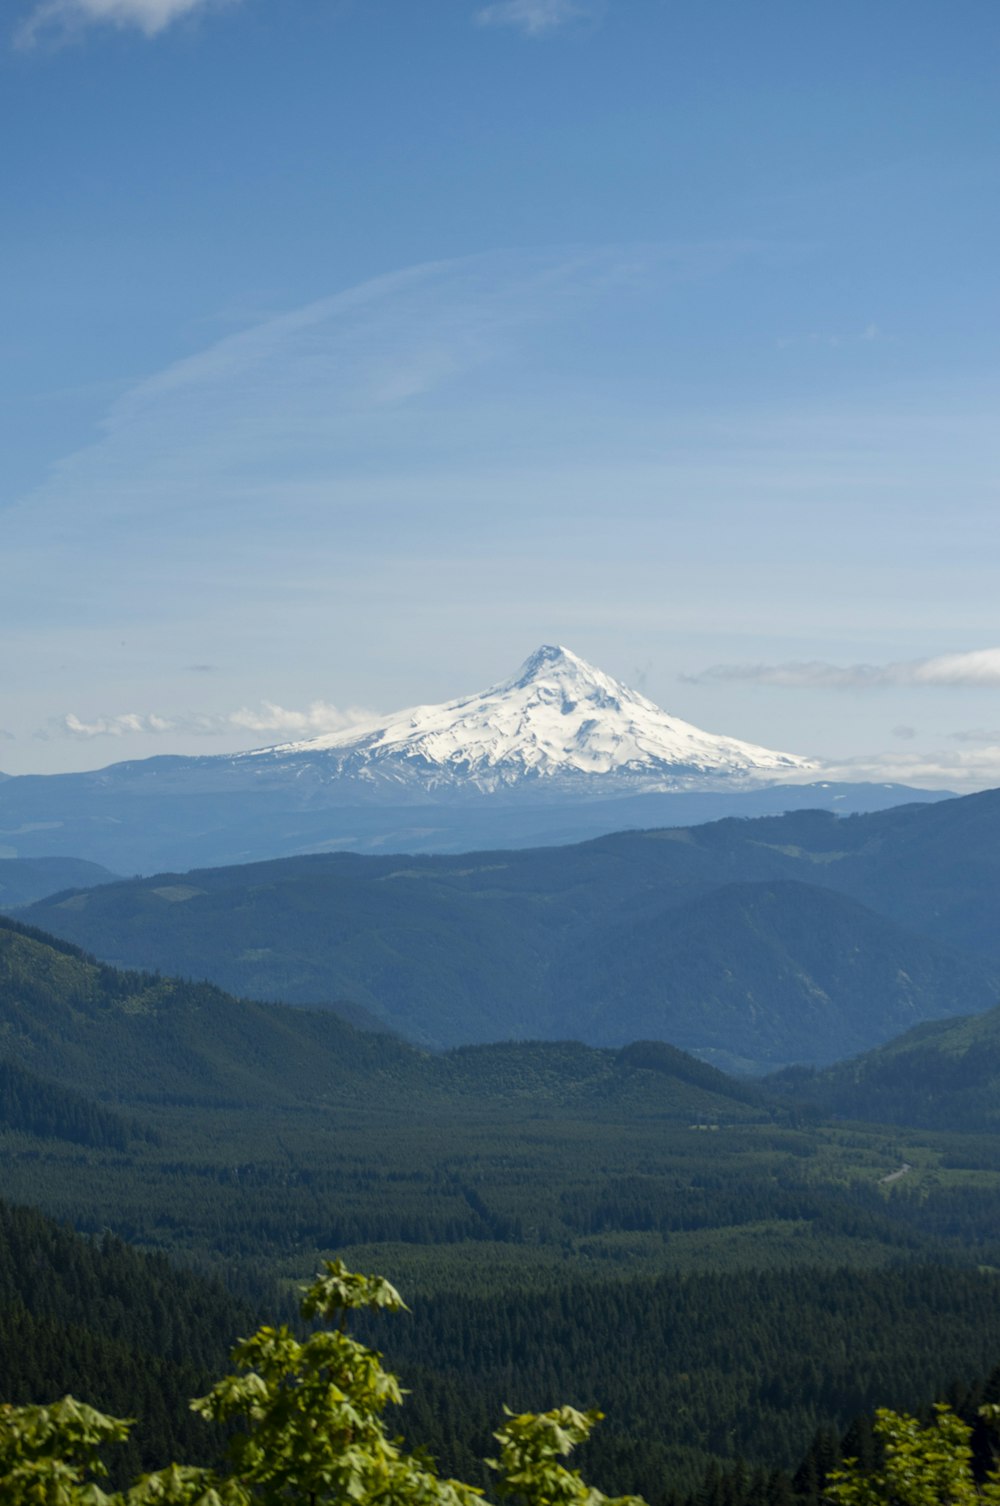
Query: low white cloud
{"x":979,"y":668}
{"x":533,"y":17}
{"x":55,"y":18}
{"x":933,"y":769}
{"x":123,"y":725}
{"x":318,"y":718}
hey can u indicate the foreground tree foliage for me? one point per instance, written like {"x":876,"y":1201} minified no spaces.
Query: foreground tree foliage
{"x":920,"y":1465}
{"x":308,"y":1430}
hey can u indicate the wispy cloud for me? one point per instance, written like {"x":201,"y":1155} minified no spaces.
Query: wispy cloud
{"x":59,"y":18}
{"x":977,"y":669}
{"x":534,"y":17}
{"x":870,"y":335}
{"x":319,"y":717}
{"x":294,"y":415}
{"x":6,"y":737}
{"x":989,"y":735}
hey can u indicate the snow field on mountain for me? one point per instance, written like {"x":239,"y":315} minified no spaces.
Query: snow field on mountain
{"x":557,"y":716}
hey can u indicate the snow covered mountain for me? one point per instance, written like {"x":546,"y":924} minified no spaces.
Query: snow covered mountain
{"x":558,"y":753}
{"x":557,"y":719}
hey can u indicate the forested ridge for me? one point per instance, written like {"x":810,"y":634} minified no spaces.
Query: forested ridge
{"x":804,"y":937}
{"x":944,"y":1074}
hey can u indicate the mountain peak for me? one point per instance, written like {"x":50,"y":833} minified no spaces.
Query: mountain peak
{"x":557,"y":718}
{"x":548,"y":654}
{"x":553,"y":661}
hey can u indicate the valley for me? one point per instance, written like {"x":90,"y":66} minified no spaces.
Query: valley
{"x":530,"y":1198}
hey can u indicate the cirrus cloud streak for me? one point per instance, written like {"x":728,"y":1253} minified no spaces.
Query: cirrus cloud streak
{"x":979,"y":668}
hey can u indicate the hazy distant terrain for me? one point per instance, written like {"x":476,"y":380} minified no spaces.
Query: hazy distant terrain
{"x":796,"y":938}
{"x":23,"y":880}
{"x":557,"y":753}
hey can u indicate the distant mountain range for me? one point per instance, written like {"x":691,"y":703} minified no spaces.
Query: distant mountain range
{"x":557,"y":753}
{"x":23,"y":880}
{"x":804,"y":937}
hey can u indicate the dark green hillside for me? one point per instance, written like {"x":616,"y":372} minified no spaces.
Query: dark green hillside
{"x":944,"y":1074}
{"x":25,"y":880}
{"x":696,"y":1376}
{"x":124,"y":1331}
{"x":640,"y":934}
{"x":133,"y":1037}
{"x":567,"y":1073}
{"x":437,"y":952}
{"x":732,"y":1366}
{"x":31,"y":1106}
{"x":772,"y":972}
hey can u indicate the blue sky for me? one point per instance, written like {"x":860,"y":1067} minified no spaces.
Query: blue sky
{"x":352,"y":348}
